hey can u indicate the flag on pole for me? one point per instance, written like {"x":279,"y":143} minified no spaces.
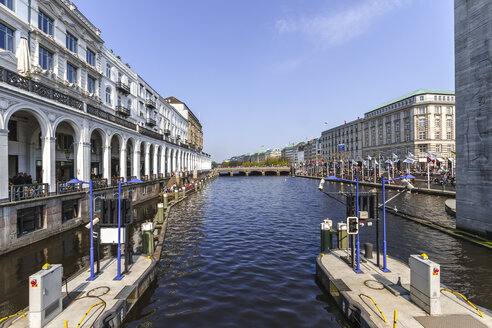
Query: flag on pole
{"x":410,"y":155}
{"x":364,"y":163}
{"x":354,"y":162}
{"x":369,"y":158}
{"x":394,"y":156}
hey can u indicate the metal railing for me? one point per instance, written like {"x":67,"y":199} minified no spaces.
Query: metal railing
{"x":160,"y":176}
{"x":122,"y":110}
{"x":150,"y":103}
{"x":42,"y":90}
{"x":28,"y":191}
{"x":110,"y":117}
{"x":114,"y":181}
{"x":464,"y":298}
{"x":151,"y":121}
{"x":150,"y":133}
{"x":145,"y":178}
{"x":369,"y":297}
{"x":99,"y":183}
{"x":123,"y":87}
{"x":65,"y":188}
{"x":153,"y":176}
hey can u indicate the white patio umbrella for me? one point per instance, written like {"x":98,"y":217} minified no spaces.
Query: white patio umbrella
{"x":23,"y":57}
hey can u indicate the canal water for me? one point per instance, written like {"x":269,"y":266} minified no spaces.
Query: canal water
{"x":242,"y":253}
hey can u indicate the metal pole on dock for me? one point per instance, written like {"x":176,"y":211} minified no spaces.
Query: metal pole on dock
{"x":118,"y":276}
{"x":357,"y":269}
{"x":92,"y":277}
{"x":384,"y":269}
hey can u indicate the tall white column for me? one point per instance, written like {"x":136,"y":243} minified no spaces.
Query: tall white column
{"x":83,"y":160}
{"x":154,"y":159}
{"x":4,"y":168}
{"x":163,"y":160}
{"x":107,"y":163}
{"x":49,"y":173}
{"x":123,"y":160}
{"x":136,"y":160}
{"x":147,"y":160}
{"x":168,"y":161}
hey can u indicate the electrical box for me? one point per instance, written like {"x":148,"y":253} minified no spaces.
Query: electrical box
{"x":45,"y":299}
{"x":425,"y":283}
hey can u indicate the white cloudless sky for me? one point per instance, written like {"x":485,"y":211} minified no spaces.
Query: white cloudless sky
{"x":271,"y":72}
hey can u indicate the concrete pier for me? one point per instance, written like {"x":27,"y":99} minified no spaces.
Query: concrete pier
{"x":390,"y":291}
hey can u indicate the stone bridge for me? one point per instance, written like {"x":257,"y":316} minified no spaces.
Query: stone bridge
{"x":259,"y":170}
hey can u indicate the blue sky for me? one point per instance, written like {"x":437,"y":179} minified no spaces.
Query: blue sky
{"x":270,"y":72}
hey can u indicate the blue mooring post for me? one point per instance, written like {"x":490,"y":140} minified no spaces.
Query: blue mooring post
{"x":118,"y":276}
{"x":384,"y":269}
{"x":357,"y":269}
{"x":92,"y":277}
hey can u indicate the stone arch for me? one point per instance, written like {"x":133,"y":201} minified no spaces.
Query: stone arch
{"x":40,"y":116}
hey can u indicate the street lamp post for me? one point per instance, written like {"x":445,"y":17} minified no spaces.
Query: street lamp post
{"x":118,"y":275}
{"x":75,"y":180}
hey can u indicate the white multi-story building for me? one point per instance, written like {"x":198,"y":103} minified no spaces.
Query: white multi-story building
{"x":342,"y":142}
{"x":418,"y":122}
{"x":78,"y":111}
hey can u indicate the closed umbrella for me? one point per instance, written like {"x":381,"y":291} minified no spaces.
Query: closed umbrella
{"x":23,"y":57}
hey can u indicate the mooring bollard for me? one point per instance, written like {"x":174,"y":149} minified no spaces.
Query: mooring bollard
{"x":342,"y":235}
{"x":165,"y":200}
{"x":176,"y":195}
{"x":326,"y":235}
{"x":148,"y":238}
{"x":160,"y":212}
{"x":196,"y":187}
{"x":368,"y":250}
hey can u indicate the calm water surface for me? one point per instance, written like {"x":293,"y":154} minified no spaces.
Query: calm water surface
{"x":242,"y":253}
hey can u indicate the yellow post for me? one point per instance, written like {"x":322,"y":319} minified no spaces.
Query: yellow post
{"x":394,"y":320}
{"x":66,"y":324}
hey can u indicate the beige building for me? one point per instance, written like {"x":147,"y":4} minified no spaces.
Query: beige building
{"x":195,"y":133}
{"x":418,"y":122}
{"x":342,"y":142}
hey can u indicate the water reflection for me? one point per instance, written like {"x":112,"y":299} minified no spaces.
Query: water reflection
{"x":70,"y":248}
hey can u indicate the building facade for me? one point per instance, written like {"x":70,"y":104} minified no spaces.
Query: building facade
{"x":78,"y":110}
{"x":418,"y":122}
{"x":195,"y":133}
{"x":343,"y":142}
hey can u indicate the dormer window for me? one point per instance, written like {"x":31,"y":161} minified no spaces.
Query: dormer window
{"x":45,"y":23}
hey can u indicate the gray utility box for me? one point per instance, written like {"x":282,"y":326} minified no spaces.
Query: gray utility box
{"x":45,"y":300}
{"x":425,"y":284}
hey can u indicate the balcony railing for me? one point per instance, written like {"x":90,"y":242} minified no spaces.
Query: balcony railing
{"x":28,"y":84}
{"x":110,"y":117}
{"x":167,"y":132}
{"x":153,"y":176}
{"x":120,"y":109}
{"x":125,"y":89}
{"x":160,"y":176}
{"x":28,"y":191}
{"x":150,"y":133}
{"x":150,"y":103}
{"x":145,"y":178}
{"x":150,"y":121}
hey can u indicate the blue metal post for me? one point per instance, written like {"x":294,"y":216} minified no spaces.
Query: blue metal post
{"x":384,"y":269}
{"x":118,"y":276}
{"x":92,"y":277}
{"x":357,"y":269}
